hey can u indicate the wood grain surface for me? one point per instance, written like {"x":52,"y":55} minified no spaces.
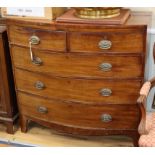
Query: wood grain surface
{"x":50,"y":40}
{"x":121,"y":42}
{"x":79,"y":115}
{"x":79,"y":90}
{"x":79,"y":65}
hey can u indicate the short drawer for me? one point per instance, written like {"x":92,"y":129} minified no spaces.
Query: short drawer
{"x":79,"y":90}
{"x":41,"y":39}
{"x":80,"y":115}
{"x":132,"y":42}
{"x":79,"y":65}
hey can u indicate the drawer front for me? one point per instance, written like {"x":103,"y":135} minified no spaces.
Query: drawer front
{"x":79,"y":90}
{"x":50,"y":40}
{"x":79,"y":65}
{"x":107,"y":42}
{"x":80,"y":115}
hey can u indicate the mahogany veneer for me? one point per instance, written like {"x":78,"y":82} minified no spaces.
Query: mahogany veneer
{"x":81,"y":79}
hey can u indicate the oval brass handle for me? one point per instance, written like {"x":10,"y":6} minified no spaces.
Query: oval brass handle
{"x":106,"y":92}
{"x":39,"y":85}
{"x":34,"y":40}
{"x":106,"y":66}
{"x":37,"y":61}
{"x":106,"y":118}
{"x":105,"y":44}
{"x":42,"y":110}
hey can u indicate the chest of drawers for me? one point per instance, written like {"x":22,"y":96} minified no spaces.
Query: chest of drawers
{"x":79,"y":79}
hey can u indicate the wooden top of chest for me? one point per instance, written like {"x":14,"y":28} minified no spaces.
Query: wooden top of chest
{"x":136,"y":19}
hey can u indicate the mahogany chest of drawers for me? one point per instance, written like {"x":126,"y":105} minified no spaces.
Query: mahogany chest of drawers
{"x":80,"y":79}
{"x":8,"y":106}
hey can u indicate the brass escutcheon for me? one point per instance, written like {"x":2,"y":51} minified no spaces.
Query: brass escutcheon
{"x":34,"y":40}
{"x":106,"y":92}
{"x":37,"y":61}
{"x":105,"y":44}
{"x":42,"y":110}
{"x":39,"y":85}
{"x":105,"y":66}
{"x":106,"y":118}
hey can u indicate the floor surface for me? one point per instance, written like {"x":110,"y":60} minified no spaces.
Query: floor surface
{"x":41,"y":136}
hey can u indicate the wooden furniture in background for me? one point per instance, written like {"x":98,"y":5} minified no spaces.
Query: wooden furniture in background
{"x":8,"y":106}
{"x":80,"y":79}
{"x":2,"y":21}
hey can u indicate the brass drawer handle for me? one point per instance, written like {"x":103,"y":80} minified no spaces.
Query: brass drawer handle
{"x":106,"y":92}
{"x":106,"y":66}
{"x":39,"y":85}
{"x":105,"y":44}
{"x":42,"y":110}
{"x":106,"y":118}
{"x":37,"y":61}
{"x":34,"y":40}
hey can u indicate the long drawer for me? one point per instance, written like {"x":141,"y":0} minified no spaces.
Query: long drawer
{"x":43,"y":39}
{"x":79,"y":90}
{"x":80,"y":115}
{"x":123,"y":42}
{"x":79,"y":65}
